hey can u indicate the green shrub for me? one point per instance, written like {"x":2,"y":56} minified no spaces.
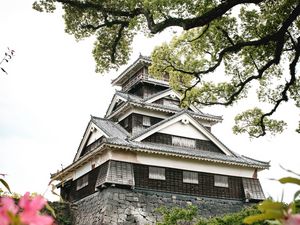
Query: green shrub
{"x":190,"y":216}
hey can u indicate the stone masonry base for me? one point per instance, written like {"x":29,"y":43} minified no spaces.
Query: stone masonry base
{"x":124,"y":207}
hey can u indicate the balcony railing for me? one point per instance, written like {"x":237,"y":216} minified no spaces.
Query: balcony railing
{"x":143,"y":76}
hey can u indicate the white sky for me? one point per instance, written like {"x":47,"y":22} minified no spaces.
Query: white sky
{"x":51,"y":90}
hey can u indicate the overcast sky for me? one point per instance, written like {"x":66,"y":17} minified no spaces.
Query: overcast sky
{"x":51,"y":90}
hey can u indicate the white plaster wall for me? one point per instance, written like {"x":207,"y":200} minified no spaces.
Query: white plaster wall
{"x":194,"y":165}
{"x":180,"y":163}
{"x":87,"y":167}
{"x":125,"y":156}
{"x":184,"y":130}
{"x":82,"y":170}
{"x":95,"y":135}
{"x":165,"y":161}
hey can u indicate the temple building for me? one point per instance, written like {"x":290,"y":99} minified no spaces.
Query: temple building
{"x":146,"y":143}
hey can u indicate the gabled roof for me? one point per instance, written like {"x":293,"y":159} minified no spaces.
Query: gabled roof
{"x":162,"y":149}
{"x":133,"y":68}
{"x":105,"y":128}
{"x":110,"y":128}
{"x":183,"y":115}
{"x":121,"y":96}
{"x":139,"y":102}
{"x":169,"y":92}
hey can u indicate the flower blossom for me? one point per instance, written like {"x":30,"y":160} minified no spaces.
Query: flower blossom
{"x":27,"y":213}
{"x":31,"y":207}
{"x":292,"y":219}
{"x":7,"y":206}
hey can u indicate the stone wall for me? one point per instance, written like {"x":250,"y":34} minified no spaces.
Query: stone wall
{"x":123,"y":206}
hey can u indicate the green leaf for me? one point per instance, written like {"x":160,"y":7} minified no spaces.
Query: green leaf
{"x":5,"y":184}
{"x":51,"y":210}
{"x":259,"y":217}
{"x":296,"y":195}
{"x":270,"y":205}
{"x":289,"y":180}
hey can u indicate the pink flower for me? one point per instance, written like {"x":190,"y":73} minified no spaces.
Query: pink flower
{"x":7,"y":205}
{"x":32,"y":204}
{"x":292,"y":219}
{"x":30,"y":214}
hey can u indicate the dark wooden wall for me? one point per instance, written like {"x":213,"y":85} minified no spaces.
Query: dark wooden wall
{"x":167,"y":139}
{"x":135,"y":121}
{"x":145,"y":90}
{"x":174,"y":184}
{"x":69,"y":191}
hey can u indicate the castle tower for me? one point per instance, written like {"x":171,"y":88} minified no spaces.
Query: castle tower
{"x":147,"y":152}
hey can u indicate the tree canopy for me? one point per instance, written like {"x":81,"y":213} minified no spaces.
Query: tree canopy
{"x":257,"y":42}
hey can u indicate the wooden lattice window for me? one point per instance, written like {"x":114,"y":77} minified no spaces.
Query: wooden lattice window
{"x":190,"y":177}
{"x":221,"y":181}
{"x":146,"y":121}
{"x":183,"y":142}
{"x":157,"y":173}
{"x":82,"y":182}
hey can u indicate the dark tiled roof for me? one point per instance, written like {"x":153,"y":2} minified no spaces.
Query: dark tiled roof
{"x":157,"y":94}
{"x":187,"y":152}
{"x":119,"y":137}
{"x":128,"y":96}
{"x":137,"y":101}
{"x":110,"y":128}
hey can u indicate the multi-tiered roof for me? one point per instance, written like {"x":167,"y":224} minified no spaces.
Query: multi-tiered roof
{"x":144,"y":120}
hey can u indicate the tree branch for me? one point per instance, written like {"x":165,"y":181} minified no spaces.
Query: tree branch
{"x":116,"y":42}
{"x":284,"y":96}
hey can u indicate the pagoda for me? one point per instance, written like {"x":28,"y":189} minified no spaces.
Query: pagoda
{"x":146,"y":143}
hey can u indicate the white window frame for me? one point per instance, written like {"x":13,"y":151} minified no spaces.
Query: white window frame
{"x":82,"y":182}
{"x":190,"y":177}
{"x":157,"y":173}
{"x":221,"y":181}
{"x":146,"y":121}
{"x":183,"y":142}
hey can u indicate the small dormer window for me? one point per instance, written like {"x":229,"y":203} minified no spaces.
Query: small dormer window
{"x":183,"y":142}
{"x":146,"y":121}
{"x":82,"y":182}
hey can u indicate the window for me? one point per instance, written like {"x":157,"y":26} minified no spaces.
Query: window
{"x":221,"y":181}
{"x":190,"y":177}
{"x":157,"y":173}
{"x":183,"y":142}
{"x":146,"y":121}
{"x":126,"y":122}
{"x":82,"y":182}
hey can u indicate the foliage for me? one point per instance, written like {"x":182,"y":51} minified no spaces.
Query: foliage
{"x":256,"y":41}
{"x":279,"y":212}
{"x":63,"y":215}
{"x":178,"y":215}
{"x":190,"y":215}
{"x":234,"y":218}
{"x":7,"y":56}
{"x":5,"y":184}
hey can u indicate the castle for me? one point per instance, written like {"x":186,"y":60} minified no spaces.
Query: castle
{"x":147,"y":152}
